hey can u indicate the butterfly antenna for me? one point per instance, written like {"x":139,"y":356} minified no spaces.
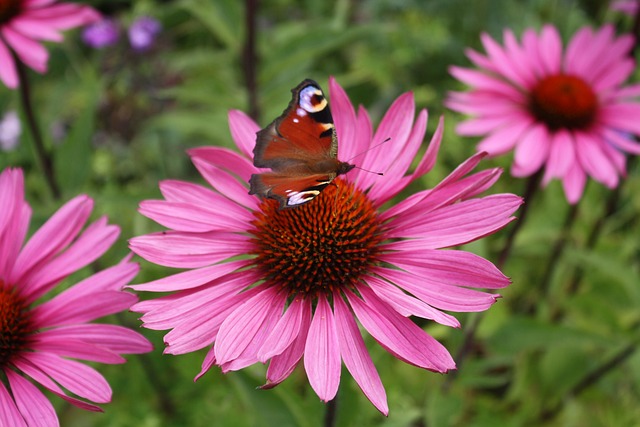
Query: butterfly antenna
{"x":366,"y":170}
{"x":369,"y":149}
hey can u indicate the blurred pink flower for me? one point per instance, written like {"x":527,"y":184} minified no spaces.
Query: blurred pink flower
{"x":38,"y":337}
{"x":25,"y":23}
{"x":270,"y":285}
{"x":565,"y":111}
{"x":630,"y":7}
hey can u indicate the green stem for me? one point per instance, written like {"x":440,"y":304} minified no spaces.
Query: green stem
{"x":44,"y":159}
{"x":330,"y":414}
{"x":558,"y":248}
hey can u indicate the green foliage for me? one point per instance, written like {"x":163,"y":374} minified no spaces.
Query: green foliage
{"x":117,"y":122}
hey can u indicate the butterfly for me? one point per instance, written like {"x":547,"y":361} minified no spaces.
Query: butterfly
{"x":300,"y":147}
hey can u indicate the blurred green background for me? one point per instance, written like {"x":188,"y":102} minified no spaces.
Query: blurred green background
{"x":118,"y":121}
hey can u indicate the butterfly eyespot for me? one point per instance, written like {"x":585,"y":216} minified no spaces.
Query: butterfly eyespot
{"x":312,"y":100}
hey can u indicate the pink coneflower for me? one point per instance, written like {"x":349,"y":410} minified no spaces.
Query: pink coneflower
{"x":565,"y":111}
{"x":39,"y":338}
{"x":24,"y":23}
{"x":630,"y":7}
{"x":271,"y":285}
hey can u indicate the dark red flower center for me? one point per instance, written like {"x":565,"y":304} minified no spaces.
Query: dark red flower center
{"x":564,"y":102}
{"x":15,"y":324}
{"x":9,"y":9}
{"x":320,"y":246}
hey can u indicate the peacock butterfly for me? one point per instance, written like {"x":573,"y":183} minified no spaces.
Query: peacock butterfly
{"x":300,"y":147}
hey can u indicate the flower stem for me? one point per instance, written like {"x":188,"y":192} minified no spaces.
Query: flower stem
{"x":533,"y":183}
{"x":330,"y":414}
{"x":45,"y":160}
{"x":558,"y":248}
{"x":250,"y":58}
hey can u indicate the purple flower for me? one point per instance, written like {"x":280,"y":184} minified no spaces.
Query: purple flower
{"x":143,"y":32}
{"x":10,"y":130}
{"x":101,"y":34}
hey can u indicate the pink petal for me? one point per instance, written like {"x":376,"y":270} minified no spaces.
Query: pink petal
{"x":573,"y":183}
{"x":285,"y":331}
{"x":9,"y":414}
{"x":453,"y":267}
{"x":281,"y":366}
{"x":356,"y":357}
{"x":621,"y":141}
{"x":207,"y":363}
{"x":561,"y":155}
{"x":191,"y":278}
{"x":54,"y":235}
{"x":439,"y":294}
{"x":63,"y":16}
{"x":241,"y":326}
{"x":185,"y":250}
{"x":399,"y":335}
{"x":504,"y":139}
{"x":8,"y":71}
{"x":243,"y":131}
{"x":81,"y":309}
{"x":33,"y":28}
{"x":226,"y":184}
{"x":406,"y":304}
{"x":460,"y":223}
{"x":32,"y":53}
{"x":594,"y":161}
{"x":88,"y":247}
{"x":78,"y":378}
{"x":225,"y":159}
{"x":116,"y":338}
{"x":75,"y":349}
{"x":38,"y":375}
{"x":550,"y":49}
{"x":322,"y":352}
{"x":344,"y":117}
{"x":33,"y":405}
{"x":501,"y":61}
{"x":622,"y":116}
{"x":532,"y":150}
{"x":192,"y":218}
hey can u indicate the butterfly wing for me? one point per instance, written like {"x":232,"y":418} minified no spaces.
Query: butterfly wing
{"x":289,"y":190}
{"x":303,"y":134}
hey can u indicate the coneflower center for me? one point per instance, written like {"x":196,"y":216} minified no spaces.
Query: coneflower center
{"x":9,"y":9}
{"x":15,"y":324}
{"x":564,"y":101}
{"x":323,"y":245}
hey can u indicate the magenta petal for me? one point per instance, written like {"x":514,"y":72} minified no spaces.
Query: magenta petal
{"x":207,"y":363}
{"x":225,"y":159}
{"x":41,"y":377}
{"x":76,"y":349}
{"x":8,"y":71}
{"x":77,"y":377}
{"x":241,"y":326}
{"x":573,"y":183}
{"x":191,"y":278}
{"x":227,"y":184}
{"x":285,"y":331}
{"x":243,"y":131}
{"x":32,"y":53}
{"x":344,"y":117}
{"x":322,"y":352}
{"x":55,"y":234}
{"x":185,"y":250}
{"x":356,"y":357}
{"x":115,"y":338}
{"x":32,"y":403}
{"x":9,"y":414}
{"x":398,"y":334}
{"x":406,"y":304}
{"x":281,"y":366}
